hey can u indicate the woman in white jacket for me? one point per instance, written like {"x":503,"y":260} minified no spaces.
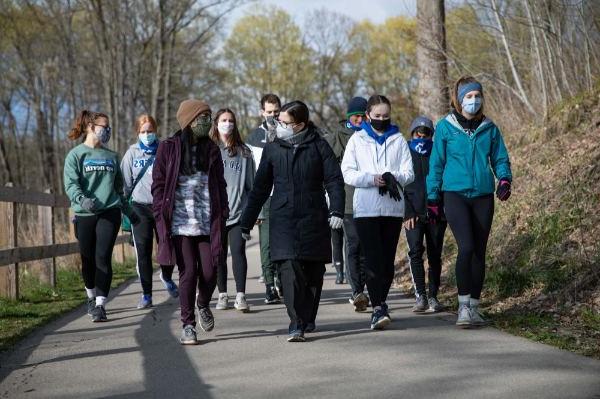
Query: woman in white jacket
{"x":377,"y":162}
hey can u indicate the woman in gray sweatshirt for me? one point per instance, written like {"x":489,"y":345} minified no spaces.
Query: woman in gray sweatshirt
{"x":239,"y":168}
{"x":136,"y":167}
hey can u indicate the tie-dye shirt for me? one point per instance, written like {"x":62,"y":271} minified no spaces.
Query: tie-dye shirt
{"x":191,"y":213}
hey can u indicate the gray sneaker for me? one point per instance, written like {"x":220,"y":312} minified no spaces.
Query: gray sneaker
{"x":223,"y":302}
{"x":207,"y":320}
{"x":464,"y":316}
{"x":188,"y":336}
{"x":240,"y":303}
{"x":360,"y":302}
{"x":435,"y":306}
{"x":477,"y":319}
{"x":421,"y":304}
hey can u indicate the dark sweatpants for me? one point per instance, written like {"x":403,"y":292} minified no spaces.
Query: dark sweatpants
{"x":379,"y":238}
{"x":237,"y":245}
{"x":470,"y":220}
{"x":302,"y":282}
{"x":434,"y":239}
{"x":96,"y":235}
{"x":268,"y":267}
{"x":355,"y":258}
{"x":143,"y":234}
{"x":196,"y":269}
{"x":337,"y":249}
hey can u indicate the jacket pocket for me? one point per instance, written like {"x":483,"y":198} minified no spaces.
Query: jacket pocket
{"x":279,"y":201}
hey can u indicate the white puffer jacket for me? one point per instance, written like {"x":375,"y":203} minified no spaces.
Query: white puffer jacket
{"x":363,"y":159}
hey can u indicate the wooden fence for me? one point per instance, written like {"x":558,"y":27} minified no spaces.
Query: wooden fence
{"x":48,"y":250}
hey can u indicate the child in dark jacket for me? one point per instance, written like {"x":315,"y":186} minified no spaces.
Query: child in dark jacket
{"x":418,"y":226}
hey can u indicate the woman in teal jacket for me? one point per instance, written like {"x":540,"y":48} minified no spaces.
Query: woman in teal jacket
{"x":468,"y":156}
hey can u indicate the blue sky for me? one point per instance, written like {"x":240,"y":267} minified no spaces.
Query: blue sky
{"x":376,"y":11}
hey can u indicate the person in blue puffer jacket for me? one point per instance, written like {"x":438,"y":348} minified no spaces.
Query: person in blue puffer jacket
{"x":468,"y":156}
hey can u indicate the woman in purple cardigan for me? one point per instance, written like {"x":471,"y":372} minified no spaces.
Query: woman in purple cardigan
{"x":190,"y":208}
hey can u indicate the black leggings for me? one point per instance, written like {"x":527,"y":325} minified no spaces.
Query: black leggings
{"x":470,"y":220}
{"x":434,"y":239}
{"x":237,"y":245}
{"x":379,"y":239}
{"x":96,"y":235}
{"x":143,"y":234}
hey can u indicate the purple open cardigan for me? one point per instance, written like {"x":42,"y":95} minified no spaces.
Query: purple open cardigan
{"x":165,"y":173}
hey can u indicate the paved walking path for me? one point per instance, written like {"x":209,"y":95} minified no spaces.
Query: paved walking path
{"x":137,"y":355}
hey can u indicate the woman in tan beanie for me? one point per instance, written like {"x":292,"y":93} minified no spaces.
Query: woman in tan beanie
{"x":190,"y":208}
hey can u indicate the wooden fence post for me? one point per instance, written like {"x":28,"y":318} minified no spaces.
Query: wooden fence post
{"x":46,"y":226}
{"x":9,"y":274}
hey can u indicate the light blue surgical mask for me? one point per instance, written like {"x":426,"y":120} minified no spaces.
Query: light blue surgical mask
{"x":147,"y":138}
{"x":471,"y":105}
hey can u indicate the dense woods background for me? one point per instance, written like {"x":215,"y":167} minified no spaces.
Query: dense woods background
{"x":133,"y":56}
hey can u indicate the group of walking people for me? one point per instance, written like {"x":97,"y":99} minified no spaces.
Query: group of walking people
{"x":314,"y":197}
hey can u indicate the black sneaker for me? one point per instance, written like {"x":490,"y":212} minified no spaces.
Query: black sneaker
{"x":310,"y":327}
{"x":271,"y":296}
{"x":98,"y":314}
{"x":379,"y":320}
{"x":91,"y":304}
{"x":207,"y":320}
{"x":386,"y":310}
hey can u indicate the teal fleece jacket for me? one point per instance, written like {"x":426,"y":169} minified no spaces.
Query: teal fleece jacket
{"x":466,"y":164}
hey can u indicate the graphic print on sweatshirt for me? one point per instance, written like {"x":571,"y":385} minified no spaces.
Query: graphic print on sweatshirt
{"x":141,"y":162}
{"x":98,"y":165}
{"x":234,"y":164}
{"x":191,"y":213}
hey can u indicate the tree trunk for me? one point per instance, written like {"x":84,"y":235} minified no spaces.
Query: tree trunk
{"x":516,"y":77}
{"x":540,"y":69}
{"x":431,"y":59}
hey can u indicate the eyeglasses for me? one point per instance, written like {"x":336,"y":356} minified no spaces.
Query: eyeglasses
{"x":285,"y":125}
{"x":107,"y":128}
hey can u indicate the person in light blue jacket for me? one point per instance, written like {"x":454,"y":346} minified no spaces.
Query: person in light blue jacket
{"x":468,"y":157}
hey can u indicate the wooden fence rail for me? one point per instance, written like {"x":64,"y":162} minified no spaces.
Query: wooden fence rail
{"x":10,"y":198}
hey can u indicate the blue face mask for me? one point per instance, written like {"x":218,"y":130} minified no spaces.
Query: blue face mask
{"x":148,"y":138}
{"x":103,"y":135}
{"x":421,"y":146}
{"x":471,"y":105}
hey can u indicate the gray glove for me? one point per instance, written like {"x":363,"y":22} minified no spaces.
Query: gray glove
{"x":336,"y":222}
{"x":87,"y":204}
{"x":246,"y":234}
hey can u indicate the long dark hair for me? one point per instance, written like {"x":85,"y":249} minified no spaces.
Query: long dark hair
{"x":187,"y":167}
{"x":299,"y":113}
{"x":234,"y":141}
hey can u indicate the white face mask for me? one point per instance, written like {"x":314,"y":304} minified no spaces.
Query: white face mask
{"x":225,"y":128}
{"x":147,"y":138}
{"x":284,"y":132}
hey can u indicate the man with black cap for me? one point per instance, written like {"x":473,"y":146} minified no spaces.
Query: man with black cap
{"x":355,"y":260}
{"x":418,"y":226}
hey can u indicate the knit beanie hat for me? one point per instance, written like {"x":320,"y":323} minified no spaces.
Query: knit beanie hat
{"x":357,"y":106}
{"x":189,"y":110}
{"x":421,"y":121}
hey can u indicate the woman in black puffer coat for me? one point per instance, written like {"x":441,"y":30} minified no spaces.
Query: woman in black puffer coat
{"x":299,"y":166}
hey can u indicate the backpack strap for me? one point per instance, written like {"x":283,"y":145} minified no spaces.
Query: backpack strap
{"x":149,"y":162}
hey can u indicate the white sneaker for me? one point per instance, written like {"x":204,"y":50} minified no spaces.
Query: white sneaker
{"x":240,"y":302}
{"x":464,"y":316}
{"x":222,"y":302}
{"x":477,"y":319}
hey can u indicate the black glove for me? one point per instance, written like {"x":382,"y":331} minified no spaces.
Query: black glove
{"x":391,"y":184}
{"x":133,"y":218}
{"x":383,"y":190}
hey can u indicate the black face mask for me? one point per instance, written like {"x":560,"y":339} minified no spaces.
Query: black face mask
{"x":381,"y":125}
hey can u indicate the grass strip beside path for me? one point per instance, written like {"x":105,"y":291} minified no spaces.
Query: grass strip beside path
{"x":40,"y":303}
